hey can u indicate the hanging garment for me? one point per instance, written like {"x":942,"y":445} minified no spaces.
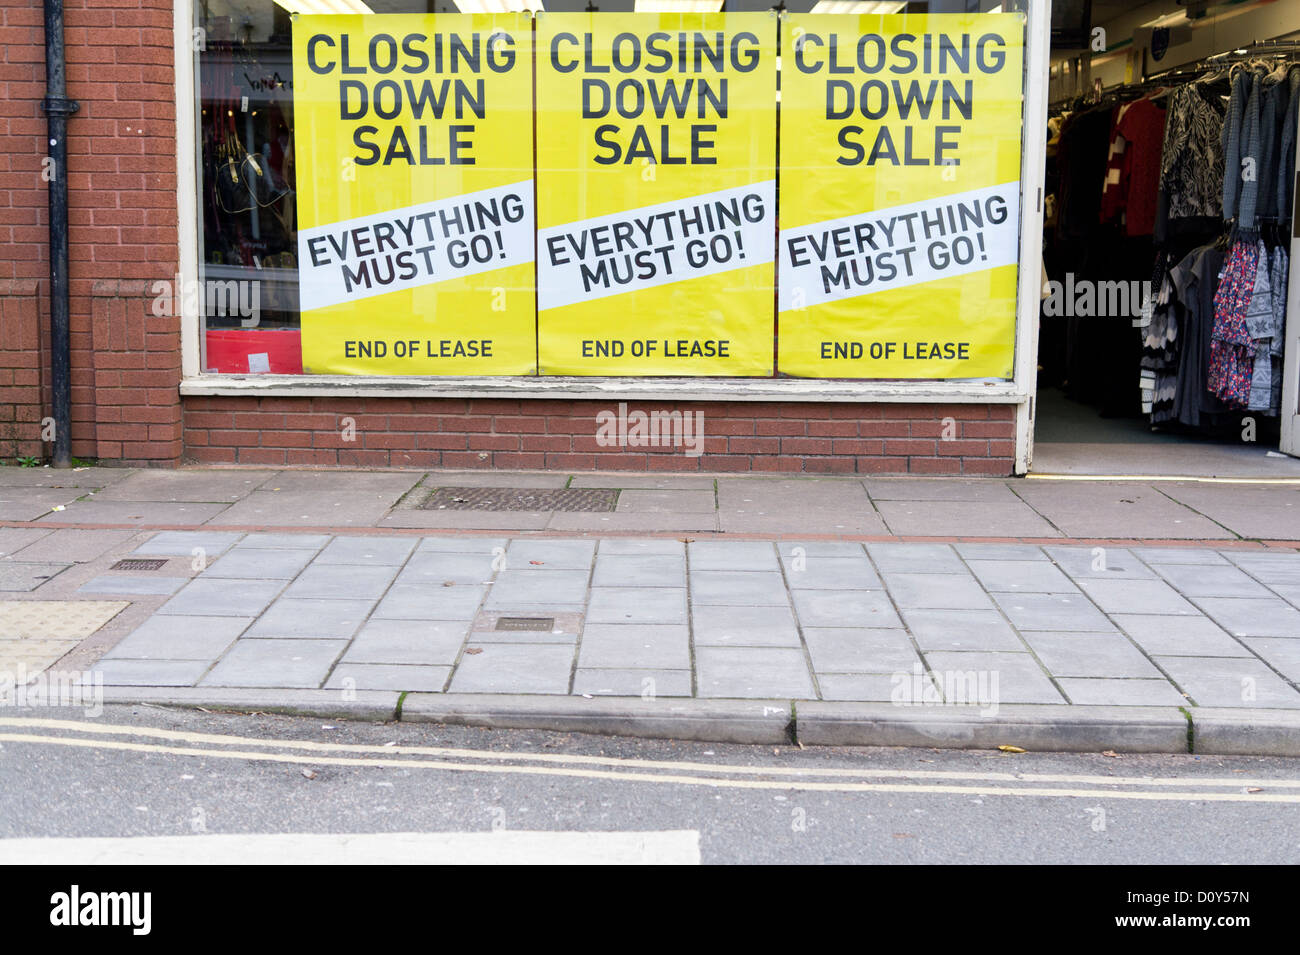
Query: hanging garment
{"x":1258,"y":317}
{"x":1231,"y":138}
{"x":1194,"y":280}
{"x":1191,"y":169}
{"x":1232,"y":350}
{"x":1133,"y":179}
{"x":1287,"y":143}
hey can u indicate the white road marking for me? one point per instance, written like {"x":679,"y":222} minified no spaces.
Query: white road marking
{"x":506,"y":847}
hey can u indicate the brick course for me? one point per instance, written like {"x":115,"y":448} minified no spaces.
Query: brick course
{"x":561,"y":435}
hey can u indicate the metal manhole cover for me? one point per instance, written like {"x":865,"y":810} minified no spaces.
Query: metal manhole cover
{"x":139,"y":563}
{"x":526,"y":623}
{"x":520,"y":499}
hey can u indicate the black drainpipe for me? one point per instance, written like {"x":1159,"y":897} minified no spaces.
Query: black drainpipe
{"x":57,"y":109}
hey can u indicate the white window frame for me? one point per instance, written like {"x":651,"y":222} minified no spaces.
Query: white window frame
{"x":1019,"y":391}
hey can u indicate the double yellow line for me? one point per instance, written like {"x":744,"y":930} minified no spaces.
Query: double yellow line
{"x":124,"y":738}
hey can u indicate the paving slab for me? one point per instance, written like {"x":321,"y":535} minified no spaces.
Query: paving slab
{"x":845,"y":608}
{"x":180,"y":638}
{"x":964,"y":519}
{"x":19,"y":576}
{"x":342,"y":581}
{"x":1252,"y":617}
{"x":740,"y":588}
{"x":492,"y":546}
{"x":962,"y":630}
{"x":819,"y":549}
{"x":633,"y":605}
{"x":1021,"y":576}
{"x":1104,"y":692}
{"x":665,"y":482}
{"x":275,"y":663}
{"x":89,"y":477}
{"x":1201,"y":580}
{"x":125,"y":512}
{"x":1100,"y":563}
{"x":1096,"y":655}
{"x":639,"y":571}
{"x":1116,"y":510}
{"x":371,"y":551}
{"x":131,"y":585}
{"x":1281,"y":653}
{"x":185,"y":485}
{"x":858,"y":687}
{"x":223,"y":598}
{"x":149,"y":672}
{"x":70,"y":545}
{"x":648,"y":684}
{"x":424,"y":602}
{"x":29,"y":503}
{"x":538,"y":589}
{"x":744,"y":626}
{"x":362,"y":676}
{"x":1052,"y":612}
{"x":14,"y":539}
{"x":550,"y":554}
{"x":803,"y":572}
{"x":994,"y":551}
{"x":429,"y":567}
{"x":845,"y":650}
{"x":1180,"y":636}
{"x":514,"y":668}
{"x":998,"y":678}
{"x":939,"y":489}
{"x":937,"y":592}
{"x":732,"y":555}
{"x":1270,"y":568}
{"x":467,"y":520}
{"x":422,"y":643}
{"x":915,"y":558}
{"x":647,"y":501}
{"x":289,"y":541}
{"x":578,"y":521}
{"x":259,"y":563}
{"x":1244,"y":682}
{"x":1179,"y":555}
{"x":185,"y":543}
{"x":632,"y":547}
{"x":753,"y":673}
{"x":311,"y":619}
{"x":1137,"y":596}
{"x":326,"y":508}
{"x":635,"y":647}
{"x":528,"y":479}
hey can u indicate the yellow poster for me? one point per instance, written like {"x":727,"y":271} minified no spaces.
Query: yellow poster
{"x":413,"y":139}
{"x":656,"y":155}
{"x":900,"y":195}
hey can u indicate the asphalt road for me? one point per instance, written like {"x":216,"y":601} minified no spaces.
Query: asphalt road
{"x":118,"y":776}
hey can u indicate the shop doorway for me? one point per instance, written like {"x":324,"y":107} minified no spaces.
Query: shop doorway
{"x":1171,"y":347}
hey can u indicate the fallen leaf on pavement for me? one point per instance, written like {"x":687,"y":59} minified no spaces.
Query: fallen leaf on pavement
{"x":309,"y":773}
{"x":1010,"y":749}
{"x":473,"y":650}
{"x":1111,"y":753}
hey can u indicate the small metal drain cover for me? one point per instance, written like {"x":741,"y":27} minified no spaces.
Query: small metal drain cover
{"x":520,"y":499}
{"x":525,"y":623}
{"x":139,"y":563}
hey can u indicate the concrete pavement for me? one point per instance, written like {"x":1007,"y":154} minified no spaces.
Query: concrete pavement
{"x":1085,"y":615}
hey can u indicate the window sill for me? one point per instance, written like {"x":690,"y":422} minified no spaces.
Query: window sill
{"x":621,"y":389}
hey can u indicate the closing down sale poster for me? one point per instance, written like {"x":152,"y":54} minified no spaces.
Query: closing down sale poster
{"x":656,"y":176}
{"x":413,"y":138}
{"x":900,"y":195}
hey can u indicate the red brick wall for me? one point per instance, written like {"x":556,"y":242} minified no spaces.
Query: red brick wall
{"x":122,"y":217}
{"x":561,"y":435}
{"x":24,"y":356}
